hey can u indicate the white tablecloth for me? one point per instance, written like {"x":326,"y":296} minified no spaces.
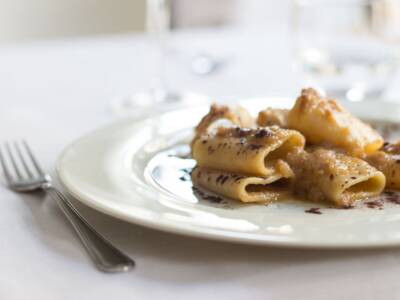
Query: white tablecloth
{"x":51,"y":93}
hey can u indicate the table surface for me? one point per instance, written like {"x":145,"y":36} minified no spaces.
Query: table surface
{"x":53,"y":92}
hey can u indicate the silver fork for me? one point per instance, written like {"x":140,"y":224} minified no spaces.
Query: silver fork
{"x":24,"y":174}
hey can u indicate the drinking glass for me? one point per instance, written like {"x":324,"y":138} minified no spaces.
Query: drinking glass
{"x":342,"y":47}
{"x":160,"y":97}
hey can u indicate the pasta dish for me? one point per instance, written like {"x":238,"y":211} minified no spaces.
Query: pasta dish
{"x":317,"y":150}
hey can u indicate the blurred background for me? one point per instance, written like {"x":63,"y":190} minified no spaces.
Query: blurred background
{"x":22,"y":20}
{"x":189,"y":50}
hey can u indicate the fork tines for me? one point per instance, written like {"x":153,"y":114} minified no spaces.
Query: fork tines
{"x":17,"y":161}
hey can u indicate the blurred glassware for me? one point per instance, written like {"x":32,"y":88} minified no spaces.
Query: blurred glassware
{"x":160,"y":97}
{"x":204,"y":64}
{"x":346,"y":48}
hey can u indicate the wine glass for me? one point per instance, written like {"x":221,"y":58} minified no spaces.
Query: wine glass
{"x":160,"y":97}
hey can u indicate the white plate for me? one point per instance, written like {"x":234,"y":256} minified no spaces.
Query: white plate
{"x":126,"y":170}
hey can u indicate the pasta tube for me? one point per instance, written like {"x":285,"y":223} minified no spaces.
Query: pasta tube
{"x":256,"y":152}
{"x":239,"y":187}
{"x":387,"y":160}
{"x":325,"y":175}
{"x":273,"y":116}
{"x":324,"y":121}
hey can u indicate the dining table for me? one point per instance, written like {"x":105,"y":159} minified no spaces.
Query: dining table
{"x":54,"y":91}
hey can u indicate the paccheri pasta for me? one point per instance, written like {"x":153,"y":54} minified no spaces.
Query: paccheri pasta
{"x":266,"y":159}
{"x":325,"y":121}
{"x":323,"y":174}
{"x":273,"y":116}
{"x":258,"y":152}
{"x":387,"y":160}
{"x":221,"y":113}
{"x":244,"y":188}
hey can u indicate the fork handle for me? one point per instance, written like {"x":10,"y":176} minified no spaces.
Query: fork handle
{"x":104,"y":255}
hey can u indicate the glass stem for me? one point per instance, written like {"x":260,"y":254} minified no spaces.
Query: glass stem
{"x":158,"y":22}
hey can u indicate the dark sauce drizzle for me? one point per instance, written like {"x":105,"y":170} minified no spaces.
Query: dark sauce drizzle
{"x":187,"y":172}
{"x":205,"y":196}
{"x":380,"y":201}
{"x":314,"y":210}
{"x":374,"y":204}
